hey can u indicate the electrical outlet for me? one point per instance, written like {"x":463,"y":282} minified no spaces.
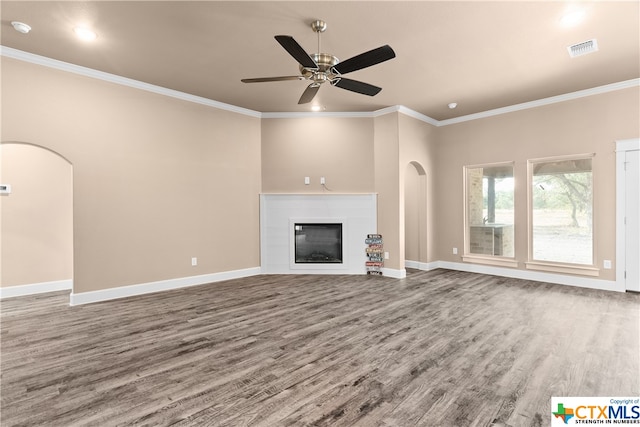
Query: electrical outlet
{"x":455,"y":251}
{"x":322,"y":181}
{"x":194,"y":261}
{"x":607,"y":264}
{"x":386,"y":255}
{"x":307,"y":180}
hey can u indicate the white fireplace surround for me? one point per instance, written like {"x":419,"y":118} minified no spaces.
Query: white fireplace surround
{"x":280,"y":212}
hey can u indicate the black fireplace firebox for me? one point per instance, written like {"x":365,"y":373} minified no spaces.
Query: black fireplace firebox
{"x":318,"y":243}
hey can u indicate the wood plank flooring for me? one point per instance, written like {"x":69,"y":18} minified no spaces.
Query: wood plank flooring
{"x":439,"y":348}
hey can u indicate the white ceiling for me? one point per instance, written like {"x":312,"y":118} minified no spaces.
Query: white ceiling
{"x":482,"y":55}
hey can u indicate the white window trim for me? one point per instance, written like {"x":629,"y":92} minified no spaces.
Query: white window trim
{"x":551,"y":266}
{"x":490,"y":260}
{"x":558,"y":267}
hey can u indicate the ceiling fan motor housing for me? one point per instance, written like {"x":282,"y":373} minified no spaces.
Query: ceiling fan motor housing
{"x":324,"y":71}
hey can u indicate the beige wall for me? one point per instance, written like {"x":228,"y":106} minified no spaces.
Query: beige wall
{"x":157,"y":180}
{"x":357,"y":155}
{"x":418,"y":149}
{"x":387,"y":185}
{"x":340,"y":149}
{"x":36,"y":218}
{"x":585,"y":125}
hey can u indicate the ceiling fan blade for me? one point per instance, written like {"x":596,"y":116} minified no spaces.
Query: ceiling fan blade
{"x":309,"y":93}
{"x":272,"y":79}
{"x":295,"y":50}
{"x":364,"y":60}
{"x":356,"y":86}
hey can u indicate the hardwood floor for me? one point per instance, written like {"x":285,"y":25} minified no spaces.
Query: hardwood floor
{"x":439,"y":348}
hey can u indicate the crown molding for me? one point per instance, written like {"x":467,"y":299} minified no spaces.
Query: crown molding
{"x":304,"y":114}
{"x":476,"y":116}
{"x":350,"y":114}
{"x":339,"y":114}
{"x":124,"y":81}
{"x":544,"y":101}
{"x":100,"y":75}
{"x":419,"y":116}
{"x":386,"y":110}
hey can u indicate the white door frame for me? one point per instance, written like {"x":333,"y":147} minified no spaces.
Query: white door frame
{"x":622,"y":146}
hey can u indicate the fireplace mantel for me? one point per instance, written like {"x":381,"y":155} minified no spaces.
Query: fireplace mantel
{"x":278,"y":213}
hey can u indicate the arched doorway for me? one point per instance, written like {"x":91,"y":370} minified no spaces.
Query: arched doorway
{"x":37,"y":220}
{"x":415,"y":215}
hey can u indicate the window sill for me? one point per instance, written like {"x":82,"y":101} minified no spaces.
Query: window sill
{"x":489,"y":260}
{"x":562,"y":268}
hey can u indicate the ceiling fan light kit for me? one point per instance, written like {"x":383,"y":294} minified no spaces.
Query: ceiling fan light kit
{"x":319,"y":68}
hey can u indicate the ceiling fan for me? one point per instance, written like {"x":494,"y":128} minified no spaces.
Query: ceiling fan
{"x":320,"y":68}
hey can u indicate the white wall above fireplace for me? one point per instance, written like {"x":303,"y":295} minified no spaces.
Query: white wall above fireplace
{"x":358,"y":213}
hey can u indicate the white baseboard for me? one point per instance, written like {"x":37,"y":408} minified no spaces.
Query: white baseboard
{"x":418,"y":265}
{"x":394,"y":273}
{"x":163,"y":285}
{"x":36,"y":288}
{"x":538,"y":276}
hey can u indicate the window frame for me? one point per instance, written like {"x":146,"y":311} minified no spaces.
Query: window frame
{"x":494,"y":260}
{"x":557,"y":266}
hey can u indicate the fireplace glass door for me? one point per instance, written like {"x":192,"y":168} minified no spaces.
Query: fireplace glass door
{"x":318,"y":243}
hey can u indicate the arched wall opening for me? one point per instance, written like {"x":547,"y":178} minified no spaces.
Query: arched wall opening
{"x":415,"y":214}
{"x":36,"y":220}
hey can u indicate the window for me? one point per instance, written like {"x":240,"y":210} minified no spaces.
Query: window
{"x":489,"y":211}
{"x":561,"y":200}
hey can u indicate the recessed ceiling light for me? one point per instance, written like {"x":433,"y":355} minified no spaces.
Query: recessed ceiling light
{"x":85,"y":33}
{"x":452,"y":105}
{"x":21,"y":27}
{"x":572,"y":18}
{"x":316,"y":108}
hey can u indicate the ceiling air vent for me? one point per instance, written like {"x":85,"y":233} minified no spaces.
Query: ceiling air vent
{"x":583,"y":48}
